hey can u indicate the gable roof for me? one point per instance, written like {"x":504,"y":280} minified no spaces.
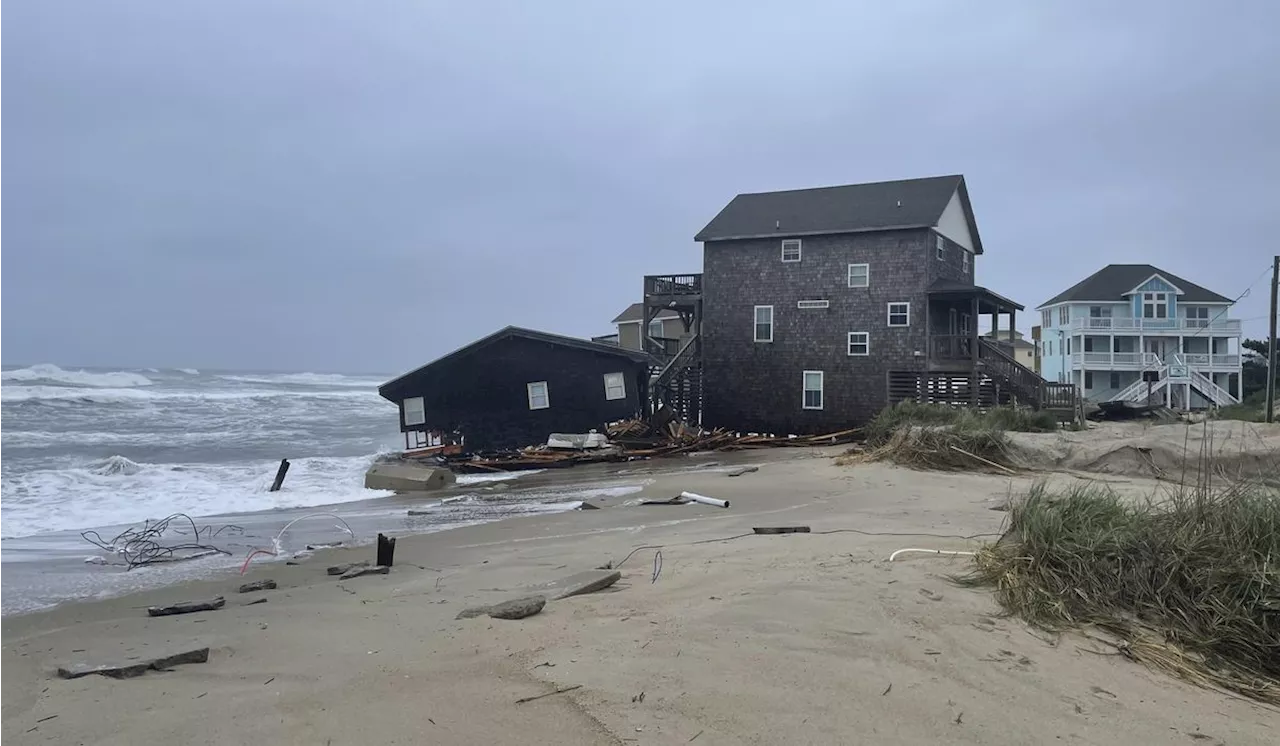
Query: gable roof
{"x":509,"y":332}
{"x":854,"y":208}
{"x":1113,"y":281}
{"x":635,"y":312}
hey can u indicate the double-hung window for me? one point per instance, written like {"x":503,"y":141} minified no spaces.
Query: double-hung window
{"x":859,"y":275}
{"x":899,"y":314}
{"x":791,"y":250}
{"x":538,"y":395}
{"x":859,"y":343}
{"x":414,"y":411}
{"x":764,"y":324}
{"x":615,"y":386}
{"x":812,"y":389}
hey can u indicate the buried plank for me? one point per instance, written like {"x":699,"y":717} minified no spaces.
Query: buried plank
{"x":588,"y":581}
{"x":744,"y":470}
{"x":357,"y":572}
{"x":516,"y":608}
{"x":132,"y":668}
{"x":781,"y":529}
{"x":187,"y":607}
{"x":259,"y":585}
{"x":343,"y":569}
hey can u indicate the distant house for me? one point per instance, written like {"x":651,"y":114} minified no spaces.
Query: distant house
{"x":1133,"y":331}
{"x":816,"y":308}
{"x":515,"y":387}
{"x":1023,"y":351}
{"x":664,"y":329}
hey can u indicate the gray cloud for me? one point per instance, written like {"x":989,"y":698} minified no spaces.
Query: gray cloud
{"x":354,"y":186}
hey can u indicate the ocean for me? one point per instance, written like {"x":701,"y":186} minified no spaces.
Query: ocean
{"x":108,"y":449}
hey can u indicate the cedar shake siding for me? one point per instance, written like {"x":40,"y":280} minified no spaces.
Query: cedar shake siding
{"x":481,"y":390}
{"x":757,"y":386}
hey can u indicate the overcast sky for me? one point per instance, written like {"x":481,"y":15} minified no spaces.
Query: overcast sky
{"x":362,"y":186}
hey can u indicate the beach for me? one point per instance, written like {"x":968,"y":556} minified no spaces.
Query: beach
{"x":713,"y":635}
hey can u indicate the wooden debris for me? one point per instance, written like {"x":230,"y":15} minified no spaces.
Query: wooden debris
{"x":187,"y":607}
{"x":280,"y":472}
{"x":346,"y":568}
{"x":522,"y":700}
{"x":781,"y":529}
{"x":516,"y":608}
{"x":259,"y":585}
{"x":357,"y":572}
{"x":134,"y":668}
{"x":743,"y":470}
{"x":587,"y":581}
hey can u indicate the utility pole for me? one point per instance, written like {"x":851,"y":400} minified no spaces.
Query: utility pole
{"x":1271,"y":343}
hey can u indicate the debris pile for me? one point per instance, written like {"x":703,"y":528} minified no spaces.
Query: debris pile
{"x":636,"y":439}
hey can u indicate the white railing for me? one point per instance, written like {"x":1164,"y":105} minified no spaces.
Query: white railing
{"x":1118,"y":360}
{"x":1230,"y":327}
{"x":1205,"y":360}
{"x":1212,"y":391}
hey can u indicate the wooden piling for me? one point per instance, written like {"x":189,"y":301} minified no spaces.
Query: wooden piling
{"x":284,"y":469}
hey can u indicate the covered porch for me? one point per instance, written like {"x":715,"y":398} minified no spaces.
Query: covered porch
{"x":954,"y":309}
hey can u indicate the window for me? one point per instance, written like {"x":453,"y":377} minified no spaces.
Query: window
{"x":1100,"y":317}
{"x":414,"y":411}
{"x":655,"y":328}
{"x":791,"y":250}
{"x":538,"y":398}
{"x":1048,"y":347}
{"x":1198,"y":317}
{"x":1046,"y":318}
{"x":1064,"y":315}
{"x":964,"y":262}
{"x":859,"y":275}
{"x":940,"y":248}
{"x":1115,"y":380}
{"x":615,"y":386}
{"x":1155,"y":306}
{"x":812,"y":304}
{"x":859,"y":343}
{"x":964,"y":324}
{"x":1068,"y":345}
{"x":899,"y":314}
{"x":1088,"y":379}
{"x":812,"y":389}
{"x":764,"y":324}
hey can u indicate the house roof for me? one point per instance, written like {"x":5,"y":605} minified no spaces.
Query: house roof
{"x":884,"y":205}
{"x":602,"y":348}
{"x":1003,"y":336}
{"x":635,"y":312}
{"x":986,"y":298}
{"x":1113,"y":281}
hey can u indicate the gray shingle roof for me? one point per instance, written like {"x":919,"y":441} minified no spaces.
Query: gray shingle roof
{"x":1114,"y":280}
{"x":635,"y":312}
{"x":885,"y":205}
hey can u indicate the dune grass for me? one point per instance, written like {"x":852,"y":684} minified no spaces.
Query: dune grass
{"x":939,"y":437}
{"x":1189,"y":583}
{"x":913,"y":414}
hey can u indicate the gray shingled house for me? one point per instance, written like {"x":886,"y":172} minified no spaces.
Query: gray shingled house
{"x":818,"y":307}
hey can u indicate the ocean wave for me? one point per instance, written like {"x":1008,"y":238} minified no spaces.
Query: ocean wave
{"x":54,"y":374}
{"x":306,"y":379}
{"x":189,"y":371}
{"x":12,"y":438}
{"x":125,"y":395}
{"x":118,"y":490}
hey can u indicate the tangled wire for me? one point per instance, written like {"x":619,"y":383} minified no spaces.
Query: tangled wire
{"x":143,"y":546}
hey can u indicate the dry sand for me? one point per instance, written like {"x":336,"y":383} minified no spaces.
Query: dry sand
{"x":796,"y":639}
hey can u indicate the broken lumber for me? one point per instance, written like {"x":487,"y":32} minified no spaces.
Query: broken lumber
{"x":345,"y":568}
{"x":781,"y":529}
{"x":259,"y":585}
{"x":132,"y":668}
{"x":280,"y":472}
{"x":187,"y":607}
{"x":358,"y":572}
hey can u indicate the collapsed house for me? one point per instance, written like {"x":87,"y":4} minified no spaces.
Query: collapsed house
{"x":515,"y":387}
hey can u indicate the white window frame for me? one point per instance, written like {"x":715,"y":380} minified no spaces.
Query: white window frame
{"x":804,"y":389}
{"x":1046,"y":318}
{"x":866,"y":275}
{"x":658,"y":324}
{"x":532,"y":387}
{"x":810,"y":305}
{"x":421,"y":411}
{"x":964,"y":261}
{"x":615,"y":386}
{"x":756,"y":323}
{"x":859,"y":338}
{"x":940,"y":248}
{"x":793,"y":243}
{"x":1197,"y":317}
{"x":890,"y":313}
{"x":1155,"y":301}
{"x":1064,"y":315}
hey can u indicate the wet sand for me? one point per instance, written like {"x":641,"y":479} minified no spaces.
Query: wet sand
{"x":805,"y":638}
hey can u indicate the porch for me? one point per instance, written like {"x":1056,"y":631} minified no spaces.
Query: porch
{"x":951,"y":320}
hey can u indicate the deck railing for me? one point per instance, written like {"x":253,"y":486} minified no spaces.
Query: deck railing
{"x":1125,"y":324}
{"x":951,"y":347}
{"x":673,"y":284}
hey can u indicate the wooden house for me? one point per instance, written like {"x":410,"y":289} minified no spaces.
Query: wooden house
{"x":515,"y":387}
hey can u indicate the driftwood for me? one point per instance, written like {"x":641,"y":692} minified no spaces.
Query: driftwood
{"x":280,"y":472}
{"x":132,"y":668}
{"x":781,"y":529}
{"x":343,"y":569}
{"x":187,"y":607}
{"x":522,"y":700}
{"x":386,"y":551}
{"x":357,"y":572}
{"x":259,"y":585}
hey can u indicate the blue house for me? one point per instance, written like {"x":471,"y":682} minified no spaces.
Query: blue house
{"x":1133,"y":332}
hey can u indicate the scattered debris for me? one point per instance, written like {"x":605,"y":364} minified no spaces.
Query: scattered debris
{"x":346,"y":568}
{"x":887,"y":689}
{"x":517,"y":608}
{"x":386,"y":551}
{"x":357,"y":572}
{"x":280,"y":472}
{"x":257,"y":601}
{"x":46,"y":719}
{"x":588,"y":581}
{"x":638,"y":699}
{"x":187,"y":607}
{"x":134,"y":667}
{"x":695,"y":736}
{"x":149,"y":544}
{"x":587,"y":506}
{"x":743,"y":470}
{"x":259,"y":585}
{"x":522,"y":700}
{"x":781,"y":529}
{"x":669,"y":501}
{"x":704,"y":499}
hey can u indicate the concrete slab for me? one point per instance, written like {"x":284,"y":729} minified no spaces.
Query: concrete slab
{"x":407,"y":477}
{"x":588,"y":581}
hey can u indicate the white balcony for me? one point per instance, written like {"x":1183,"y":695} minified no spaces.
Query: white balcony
{"x":1219,"y":327}
{"x":1145,"y":360}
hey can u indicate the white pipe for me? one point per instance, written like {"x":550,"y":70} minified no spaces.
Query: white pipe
{"x":934,"y":551}
{"x":704,"y":499}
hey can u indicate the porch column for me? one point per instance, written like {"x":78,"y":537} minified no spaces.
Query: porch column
{"x":1013,"y":318}
{"x":973,"y":351}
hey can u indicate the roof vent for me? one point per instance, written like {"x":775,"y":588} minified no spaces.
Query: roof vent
{"x":899,"y":203}
{"x":777,"y":225}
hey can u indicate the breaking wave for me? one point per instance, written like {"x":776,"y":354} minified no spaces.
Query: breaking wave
{"x":307,"y":379}
{"x":122,"y":395}
{"x":54,"y":374}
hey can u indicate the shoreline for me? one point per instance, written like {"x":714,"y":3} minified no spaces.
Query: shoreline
{"x":799,"y":638}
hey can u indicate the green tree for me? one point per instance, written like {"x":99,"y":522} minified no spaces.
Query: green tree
{"x":1253,"y":374}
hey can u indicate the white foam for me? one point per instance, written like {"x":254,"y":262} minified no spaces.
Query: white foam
{"x":117,"y":396}
{"x":117,"y":490}
{"x":307,"y":379}
{"x":498,"y":477}
{"x":54,"y":374}
{"x":189,"y":371}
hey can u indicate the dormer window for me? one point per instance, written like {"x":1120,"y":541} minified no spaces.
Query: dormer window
{"x":940,"y":248}
{"x":791,"y":250}
{"x":1155,"y":305}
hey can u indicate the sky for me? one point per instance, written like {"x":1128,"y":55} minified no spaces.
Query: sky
{"x":343,"y":186}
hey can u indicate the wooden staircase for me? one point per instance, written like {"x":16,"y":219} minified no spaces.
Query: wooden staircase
{"x":678,"y":384}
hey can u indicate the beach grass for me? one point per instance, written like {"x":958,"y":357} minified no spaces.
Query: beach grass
{"x":909,"y":414}
{"x":1188,"y":582}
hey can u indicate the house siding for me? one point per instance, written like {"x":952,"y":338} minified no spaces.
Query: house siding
{"x":758,"y":386}
{"x":483,"y":394}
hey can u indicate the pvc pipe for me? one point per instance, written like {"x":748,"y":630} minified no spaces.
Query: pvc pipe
{"x":704,"y":499}
{"x":934,"y":551}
